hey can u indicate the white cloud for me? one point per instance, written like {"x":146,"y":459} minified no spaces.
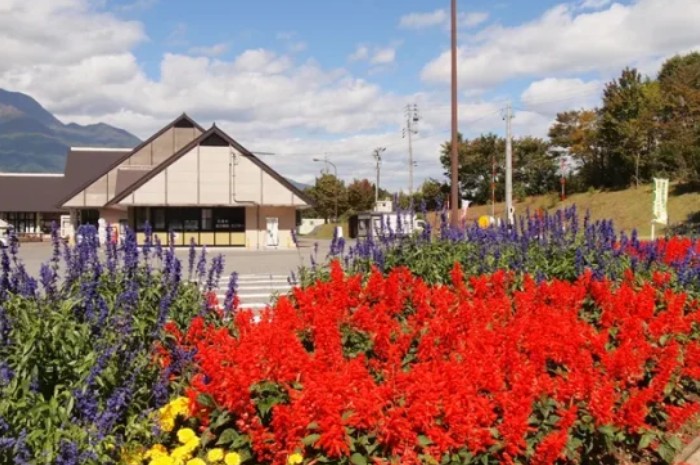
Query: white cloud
{"x":552,"y":95}
{"x":423,"y":20}
{"x":441,"y":18}
{"x":593,"y":4}
{"x":473,"y":19}
{"x":210,"y":50}
{"x":564,"y":41}
{"x":383,"y":56}
{"x":360,"y":53}
{"x":292,"y":42}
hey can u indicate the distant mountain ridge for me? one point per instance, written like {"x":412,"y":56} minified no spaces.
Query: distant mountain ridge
{"x":34,"y":140}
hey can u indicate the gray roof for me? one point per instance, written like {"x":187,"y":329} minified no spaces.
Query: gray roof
{"x":27,"y":192}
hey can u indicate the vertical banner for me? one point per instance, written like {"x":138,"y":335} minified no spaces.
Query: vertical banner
{"x":660,"y":201}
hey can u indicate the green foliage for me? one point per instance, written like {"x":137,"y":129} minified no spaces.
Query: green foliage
{"x":644,"y":128}
{"x":534,"y":167}
{"x":330,"y":196}
{"x":53,"y":353}
{"x":360,"y":195}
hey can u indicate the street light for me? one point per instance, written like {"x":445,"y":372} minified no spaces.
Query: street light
{"x":335,"y":171}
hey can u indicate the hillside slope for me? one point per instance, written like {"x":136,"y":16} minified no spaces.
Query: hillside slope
{"x":629,"y":209}
{"x":34,"y":140}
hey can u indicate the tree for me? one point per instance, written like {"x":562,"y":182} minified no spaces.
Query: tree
{"x":626,"y":134}
{"x":330,"y":196}
{"x":360,"y":195}
{"x":576,"y":132}
{"x":535,"y":168}
{"x":432,"y":192}
{"x":679,"y":115}
{"x":476,"y":163}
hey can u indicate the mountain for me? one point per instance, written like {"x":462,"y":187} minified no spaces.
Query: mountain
{"x":34,"y":140}
{"x":299,"y":185}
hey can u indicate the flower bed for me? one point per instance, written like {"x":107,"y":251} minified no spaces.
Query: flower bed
{"x":492,"y":369}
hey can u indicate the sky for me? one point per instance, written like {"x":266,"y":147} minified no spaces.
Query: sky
{"x":309,"y":79}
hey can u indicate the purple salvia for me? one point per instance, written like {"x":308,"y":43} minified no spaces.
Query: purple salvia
{"x":230,"y":294}
{"x":202,"y":265}
{"x":191,"y":257}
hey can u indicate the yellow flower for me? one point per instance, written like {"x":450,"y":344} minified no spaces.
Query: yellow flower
{"x":162,"y":460}
{"x":215,"y":455}
{"x":181,"y":453}
{"x":232,"y":458}
{"x":156,"y":451}
{"x":196,"y":461}
{"x":185,"y":435}
{"x":295,"y":459}
{"x":170,"y":412}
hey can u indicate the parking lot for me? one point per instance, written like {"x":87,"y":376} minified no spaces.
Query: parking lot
{"x":33,"y":254}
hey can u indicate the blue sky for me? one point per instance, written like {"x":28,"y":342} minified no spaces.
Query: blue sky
{"x":311,"y":78}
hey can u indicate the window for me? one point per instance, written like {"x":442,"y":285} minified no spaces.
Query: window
{"x":229,"y":219}
{"x":22,"y":222}
{"x":158,"y":215}
{"x":207,"y":224}
{"x":141,"y":218}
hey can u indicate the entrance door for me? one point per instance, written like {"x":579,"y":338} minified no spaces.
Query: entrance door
{"x":273,"y":233}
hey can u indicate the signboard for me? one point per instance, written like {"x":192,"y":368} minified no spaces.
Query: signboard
{"x":660,"y":201}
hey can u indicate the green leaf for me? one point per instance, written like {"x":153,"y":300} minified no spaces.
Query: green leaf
{"x":424,"y":441}
{"x":311,"y":439}
{"x":205,"y":400}
{"x":646,"y":439}
{"x":358,"y":459}
{"x":227,"y":437}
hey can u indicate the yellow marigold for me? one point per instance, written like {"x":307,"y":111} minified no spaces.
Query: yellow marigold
{"x":232,"y":458}
{"x":156,"y":451}
{"x":185,"y":435}
{"x":181,"y":453}
{"x":170,"y":412}
{"x":184,"y":452}
{"x":295,"y":459}
{"x":196,"y":461}
{"x":215,"y":455}
{"x":162,"y":460}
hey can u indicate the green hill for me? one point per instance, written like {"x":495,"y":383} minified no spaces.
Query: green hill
{"x":33,"y":140}
{"x":629,"y":209}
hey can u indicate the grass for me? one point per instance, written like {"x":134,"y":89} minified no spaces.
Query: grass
{"x":629,"y":209}
{"x":326,"y":231}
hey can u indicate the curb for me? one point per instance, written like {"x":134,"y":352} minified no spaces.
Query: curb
{"x":688,"y":451}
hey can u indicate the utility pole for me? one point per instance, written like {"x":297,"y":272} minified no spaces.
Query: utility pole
{"x":412,"y":118}
{"x":454,"y":158}
{"x":378,"y":158}
{"x":510,"y":210}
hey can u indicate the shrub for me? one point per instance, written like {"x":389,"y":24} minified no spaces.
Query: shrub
{"x":79,"y":372}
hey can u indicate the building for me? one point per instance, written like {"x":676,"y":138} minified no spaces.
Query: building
{"x":199,"y":184}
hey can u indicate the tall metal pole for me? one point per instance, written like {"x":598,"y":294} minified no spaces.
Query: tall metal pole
{"x":510,"y":211}
{"x":378,"y":158}
{"x":454,"y":160}
{"x":337,"y":181}
{"x":411,"y":118}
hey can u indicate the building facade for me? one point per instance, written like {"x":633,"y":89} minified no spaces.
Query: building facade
{"x":190,"y":185}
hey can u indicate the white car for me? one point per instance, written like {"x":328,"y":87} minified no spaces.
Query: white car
{"x":4,"y":239}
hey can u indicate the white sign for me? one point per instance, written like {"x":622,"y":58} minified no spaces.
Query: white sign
{"x":660,"y":201}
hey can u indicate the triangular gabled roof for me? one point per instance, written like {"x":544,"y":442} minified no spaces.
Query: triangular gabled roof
{"x":182,"y":119}
{"x":213,"y":132}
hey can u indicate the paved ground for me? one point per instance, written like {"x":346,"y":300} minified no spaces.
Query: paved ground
{"x":275,"y":262}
